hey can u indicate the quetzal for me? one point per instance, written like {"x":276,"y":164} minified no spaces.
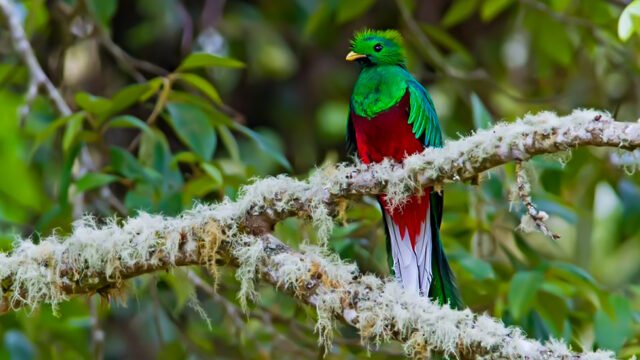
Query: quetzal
{"x":391,"y":116}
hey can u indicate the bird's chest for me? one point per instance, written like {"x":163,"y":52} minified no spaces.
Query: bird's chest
{"x":386,"y":135}
{"x":376,"y":92}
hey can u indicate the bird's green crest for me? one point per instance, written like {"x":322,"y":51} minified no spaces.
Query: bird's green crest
{"x":379,"y":46}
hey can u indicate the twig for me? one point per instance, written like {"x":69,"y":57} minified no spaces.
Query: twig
{"x":97,"y":334}
{"x":23,"y":48}
{"x":533,"y":214}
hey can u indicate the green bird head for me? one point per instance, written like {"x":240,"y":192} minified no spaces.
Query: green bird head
{"x":377,"y":47}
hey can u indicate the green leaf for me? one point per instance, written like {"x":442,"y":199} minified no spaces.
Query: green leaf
{"x":193,"y":127}
{"x":229,"y":142}
{"x":481,"y":117}
{"x":522,"y":291}
{"x":202,"y":60}
{"x":66,"y":176}
{"x":50,"y":130}
{"x":94,"y":180}
{"x":575,"y":273}
{"x":264,"y":145}
{"x":459,"y":11}
{"x":202,"y":85}
{"x":184,"y":157}
{"x":479,"y":268}
{"x":93,"y":104}
{"x":18,"y":345}
{"x":551,"y":39}
{"x":213,"y":173}
{"x":613,"y":331}
{"x":154,"y":152}
{"x":103,"y":10}
{"x":182,"y":287}
{"x":349,"y":9}
{"x":628,"y":21}
{"x":74,"y":127}
{"x":197,"y":188}
{"x":492,"y":8}
{"x":129,"y":121}
{"x":318,"y":19}
{"x":128,"y":96}
{"x":126,"y":164}
{"x":442,"y":37}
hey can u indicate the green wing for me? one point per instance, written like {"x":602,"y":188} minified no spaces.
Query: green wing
{"x":423,"y":116}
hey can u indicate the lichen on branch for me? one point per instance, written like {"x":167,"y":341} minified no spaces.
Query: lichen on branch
{"x":98,"y":257}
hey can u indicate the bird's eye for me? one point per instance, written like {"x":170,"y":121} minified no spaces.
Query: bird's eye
{"x":378,"y":47}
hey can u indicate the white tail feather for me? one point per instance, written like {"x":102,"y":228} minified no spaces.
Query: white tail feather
{"x":412,"y":266}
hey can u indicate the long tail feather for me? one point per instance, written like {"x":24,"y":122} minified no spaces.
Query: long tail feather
{"x":443,"y":286}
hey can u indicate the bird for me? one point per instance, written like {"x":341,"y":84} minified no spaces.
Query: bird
{"x":391,"y":116}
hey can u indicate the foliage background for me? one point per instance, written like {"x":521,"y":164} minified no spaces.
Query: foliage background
{"x":167,"y":129}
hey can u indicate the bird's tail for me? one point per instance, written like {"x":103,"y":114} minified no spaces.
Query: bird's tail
{"x":416,"y":255}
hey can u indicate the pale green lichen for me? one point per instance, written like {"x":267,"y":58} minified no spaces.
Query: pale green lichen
{"x":249,"y":251}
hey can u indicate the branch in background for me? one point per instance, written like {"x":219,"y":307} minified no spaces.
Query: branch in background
{"x":97,"y":333}
{"x":534,"y":217}
{"x":23,"y":48}
{"x":97,"y":258}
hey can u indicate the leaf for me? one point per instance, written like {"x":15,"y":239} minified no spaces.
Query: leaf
{"x":213,"y":173}
{"x":154,"y":152}
{"x":458,"y":12}
{"x":613,"y":331}
{"x":522,"y":291}
{"x":628,"y":20}
{"x":202,"y":60}
{"x":552,"y":39}
{"x":74,"y":126}
{"x":202,"y":85}
{"x":182,"y":287}
{"x":184,"y":157}
{"x":229,"y":142}
{"x":129,"y":121}
{"x":349,"y":9}
{"x":94,"y":180}
{"x":128,"y":96}
{"x":50,"y":130}
{"x":126,"y":164}
{"x":196,"y":188}
{"x":479,"y":268}
{"x":574,"y":272}
{"x":492,"y":8}
{"x":18,"y":345}
{"x":442,"y":37}
{"x":264,"y":145}
{"x":481,"y":117}
{"x":66,"y":175}
{"x":103,"y":10}
{"x":554,"y":310}
{"x":93,"y":104}
{"x":319,"y":18}
{"x":193,"y":127}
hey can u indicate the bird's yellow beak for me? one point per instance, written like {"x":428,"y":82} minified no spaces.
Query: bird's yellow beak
{"x":352,"y":56}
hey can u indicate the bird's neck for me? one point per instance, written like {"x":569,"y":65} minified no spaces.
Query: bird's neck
{"x":378,"y":88}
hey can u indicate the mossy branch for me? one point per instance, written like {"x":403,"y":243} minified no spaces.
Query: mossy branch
{"x":99,"y":257}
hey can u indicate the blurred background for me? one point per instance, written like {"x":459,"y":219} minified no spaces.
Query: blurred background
{"x":181,"y":101}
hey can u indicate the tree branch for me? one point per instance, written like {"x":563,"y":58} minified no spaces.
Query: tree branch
{"x":97,"y":258}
